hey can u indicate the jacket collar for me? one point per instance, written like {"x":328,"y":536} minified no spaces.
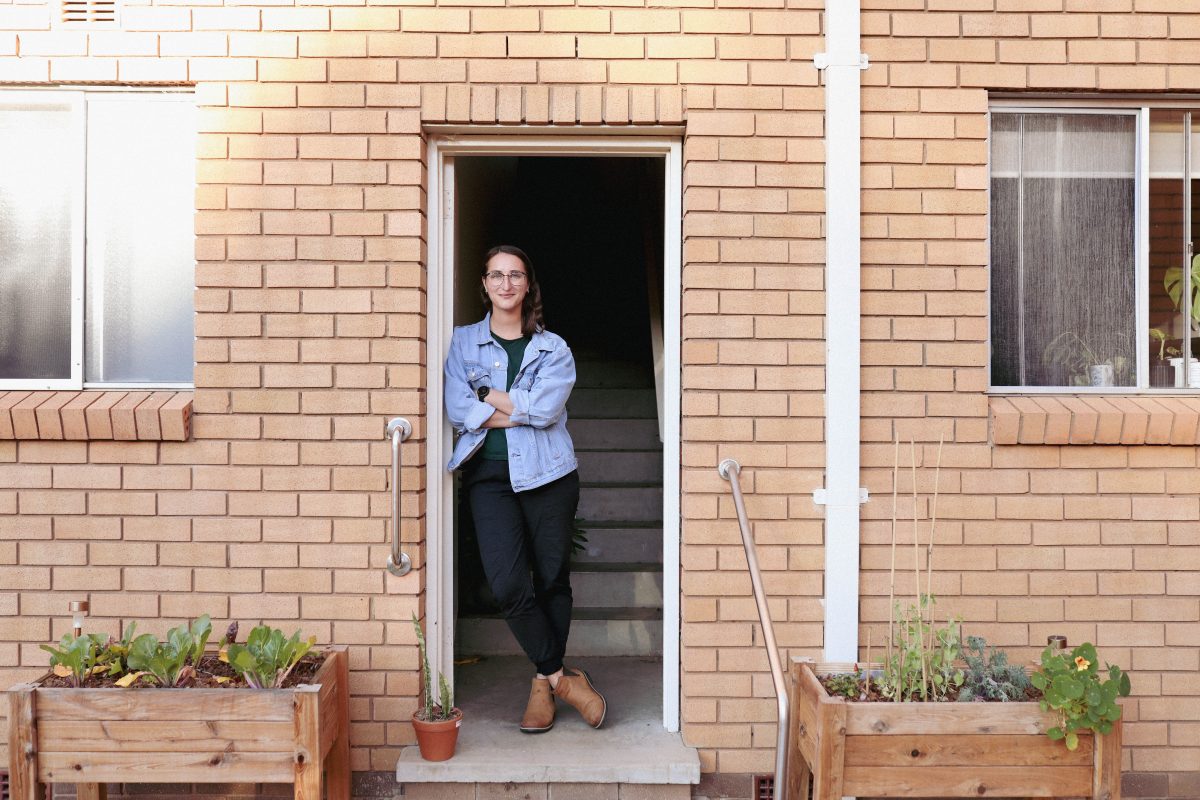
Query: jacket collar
{"x":483,"y":334}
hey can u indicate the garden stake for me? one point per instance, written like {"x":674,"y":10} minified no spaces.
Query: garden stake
{"x":917,"y":571}
{"x":937,"y":476}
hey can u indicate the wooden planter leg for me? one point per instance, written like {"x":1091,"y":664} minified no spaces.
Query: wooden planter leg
{"x":307,"y":760}
{"x":337,"y":762}
{"x":91,"y":791}
{"x":831,"y":752}
{"x":22,"y":745}
{"x":1106,"y":775}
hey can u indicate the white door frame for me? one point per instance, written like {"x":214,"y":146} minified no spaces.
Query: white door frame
{"x":439,"y":548}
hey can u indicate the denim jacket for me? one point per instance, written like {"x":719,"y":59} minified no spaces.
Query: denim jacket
{"x":539,"y":447}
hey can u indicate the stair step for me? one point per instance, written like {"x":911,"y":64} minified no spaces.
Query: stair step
{"x":620,"y":502}
{"x":620,"y":545}
{"x":599,"y":372}
{"x":606,"y":434}
{"x":603,"y":403}
{"x":631,"y":465}
{"x":489,"y":636}
{"x":617,"y":589}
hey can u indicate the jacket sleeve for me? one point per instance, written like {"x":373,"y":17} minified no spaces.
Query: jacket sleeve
{"x":466,"y":412}
{"x":545,"y":401}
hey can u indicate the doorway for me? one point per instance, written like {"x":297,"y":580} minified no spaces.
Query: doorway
{"x":602,"y":229}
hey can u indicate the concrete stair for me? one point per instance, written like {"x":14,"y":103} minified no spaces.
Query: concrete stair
{"x":617,"y":579}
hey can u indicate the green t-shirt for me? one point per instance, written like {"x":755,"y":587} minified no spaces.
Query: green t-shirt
{"x":495,"y":445}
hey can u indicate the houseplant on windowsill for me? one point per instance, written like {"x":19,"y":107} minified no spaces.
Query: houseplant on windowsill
{"x":1161,"y":372}
{"x":436,"y":725}
{"x":1089,"y":365}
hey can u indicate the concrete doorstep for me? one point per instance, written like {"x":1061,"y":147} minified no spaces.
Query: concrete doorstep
{"x":631,"y":747}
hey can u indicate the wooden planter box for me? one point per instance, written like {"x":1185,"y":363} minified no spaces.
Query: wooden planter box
{"x":937,"y":749}
{"x":92,"y":737}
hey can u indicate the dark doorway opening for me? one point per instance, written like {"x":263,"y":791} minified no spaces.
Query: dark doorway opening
{"x":593,"y":227}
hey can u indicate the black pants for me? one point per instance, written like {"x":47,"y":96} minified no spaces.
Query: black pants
{"x":525,"y":543}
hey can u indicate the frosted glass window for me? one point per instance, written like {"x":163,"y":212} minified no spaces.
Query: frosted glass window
{"x":96,"y":238}
{"x":1063,"y":249}
{"x":39,"y":224}
{"x":141,"y":184}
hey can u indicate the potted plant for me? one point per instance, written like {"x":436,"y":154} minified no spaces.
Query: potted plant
{"x":436,"y":724}
{"x":890,"y":732}
{"x":1088,"y":365}
{"x":1161,"y":372}
{"x":143,"y":710}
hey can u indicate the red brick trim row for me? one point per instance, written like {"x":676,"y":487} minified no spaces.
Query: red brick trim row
{"x":120,"y":415}
{"x":1095,"y":419}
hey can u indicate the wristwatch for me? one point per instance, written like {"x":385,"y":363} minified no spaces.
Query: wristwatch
{"x":482,"y":392}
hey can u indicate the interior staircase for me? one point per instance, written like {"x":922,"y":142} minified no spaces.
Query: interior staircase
{"x":617,"y":578}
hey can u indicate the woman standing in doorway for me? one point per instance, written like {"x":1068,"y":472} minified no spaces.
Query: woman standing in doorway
{"x":507,"y":384}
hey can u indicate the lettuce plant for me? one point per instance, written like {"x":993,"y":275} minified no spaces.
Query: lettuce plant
{"x":74,"y":657}
{"x":171,"y":662}
{"x":267,"y":658}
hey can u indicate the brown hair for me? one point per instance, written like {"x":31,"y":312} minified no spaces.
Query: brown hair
{"x":531,"y":306}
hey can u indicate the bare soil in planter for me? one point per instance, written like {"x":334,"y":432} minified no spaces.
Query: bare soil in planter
{"x":207,"y":672}
{"x":873,"y":695}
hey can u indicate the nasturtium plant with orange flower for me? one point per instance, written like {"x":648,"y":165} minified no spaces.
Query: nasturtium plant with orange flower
{"x":1083,"y":695}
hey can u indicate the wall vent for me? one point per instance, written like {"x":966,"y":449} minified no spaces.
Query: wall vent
{"x":4,"y":794}
{"x":764,"y":787}
{"x":88,"y":12}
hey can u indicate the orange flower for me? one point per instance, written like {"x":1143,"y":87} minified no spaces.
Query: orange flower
{"x":1081,"y":663}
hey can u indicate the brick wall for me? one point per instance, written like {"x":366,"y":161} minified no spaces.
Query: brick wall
{"x":311,"y":323}
{"x":1096,"y":542}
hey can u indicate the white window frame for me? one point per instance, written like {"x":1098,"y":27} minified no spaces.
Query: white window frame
{"x":78,"y":99}
{"x":1141,"y":107}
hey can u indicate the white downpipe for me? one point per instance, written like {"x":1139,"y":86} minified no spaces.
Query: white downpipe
{"x":843,"y":166}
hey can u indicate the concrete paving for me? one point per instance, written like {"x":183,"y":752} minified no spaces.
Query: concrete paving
{"x":631,"y":747}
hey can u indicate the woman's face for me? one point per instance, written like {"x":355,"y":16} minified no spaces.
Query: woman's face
{"x":505,"y":293}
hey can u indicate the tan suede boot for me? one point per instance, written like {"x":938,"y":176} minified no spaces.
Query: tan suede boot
{"x":539,"y":711}
{"x":576,"y":688}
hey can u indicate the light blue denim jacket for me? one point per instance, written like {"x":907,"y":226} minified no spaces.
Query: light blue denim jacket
{"x":539,"y":447}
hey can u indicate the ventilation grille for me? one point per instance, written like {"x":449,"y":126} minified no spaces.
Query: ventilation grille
{"x":4,"y":784}
{"x":89,"y":12}
{"x":764,"y":787}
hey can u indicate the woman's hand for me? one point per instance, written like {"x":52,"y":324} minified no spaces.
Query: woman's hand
{"x":499,"y":400}
{"x":498,"y":419}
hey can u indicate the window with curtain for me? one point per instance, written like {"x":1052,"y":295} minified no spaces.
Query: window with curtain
{"x":1095,"y":285}
{"x":96,"y":238}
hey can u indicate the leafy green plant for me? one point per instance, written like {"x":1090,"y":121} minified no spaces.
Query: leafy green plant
{"x":921,"y":662}
{"x":1076,"y":690}
{"x":846,"y":684}
{"x":74,"y":657}
{"x":429,"y":712}
{"x":1159,"y":336}
{"x":267,"y":657}
{"x":171,"y":662}
{"x":115,"y":655}
{"x":1173,"y":283}
{"x":1076,"y":355}
{"x":989,"y":676}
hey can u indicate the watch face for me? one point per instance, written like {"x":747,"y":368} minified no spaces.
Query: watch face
{"x":483,"y":392}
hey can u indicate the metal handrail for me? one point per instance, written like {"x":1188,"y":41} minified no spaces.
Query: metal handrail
{"x":398,"y":563}
{"x":730,"y":470}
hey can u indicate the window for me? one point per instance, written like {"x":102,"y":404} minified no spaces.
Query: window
{"x":96,"y":239}
{"x":1093,"y":283}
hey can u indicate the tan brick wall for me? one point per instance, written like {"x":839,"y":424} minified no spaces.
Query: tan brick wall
{"x":1096,"y":542}
{"x":311,"y":324}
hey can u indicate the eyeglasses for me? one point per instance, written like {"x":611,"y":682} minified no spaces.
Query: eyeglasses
{"x":496,"y":278}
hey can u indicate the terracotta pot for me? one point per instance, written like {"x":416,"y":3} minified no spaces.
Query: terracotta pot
{"x":437,"y":739}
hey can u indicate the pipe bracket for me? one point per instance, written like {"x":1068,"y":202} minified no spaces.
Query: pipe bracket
{"x":825,"y":61}
{"x":821,"y":497}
